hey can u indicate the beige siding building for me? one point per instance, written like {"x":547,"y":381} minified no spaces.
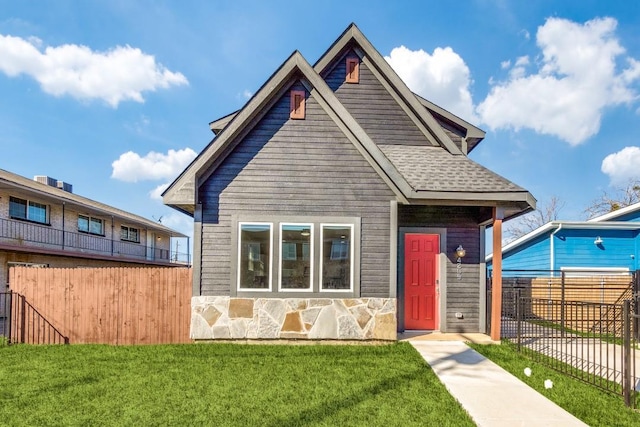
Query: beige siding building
{"x":43,"y":224}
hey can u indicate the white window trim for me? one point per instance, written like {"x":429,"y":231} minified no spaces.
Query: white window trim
{"x":239,"y":256}
{"x":351,"y":258}
{"x":595,"y":271}
{"x":311,"y":259}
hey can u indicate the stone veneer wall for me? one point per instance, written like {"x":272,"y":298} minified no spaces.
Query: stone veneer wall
{"x":293,"y":318}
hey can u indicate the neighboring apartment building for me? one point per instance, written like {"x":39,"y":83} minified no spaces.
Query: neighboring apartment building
{"x":43,"y":224}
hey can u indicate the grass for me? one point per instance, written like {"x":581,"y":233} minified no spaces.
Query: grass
{"x":589,"y":404}
{"x":222,"y":385}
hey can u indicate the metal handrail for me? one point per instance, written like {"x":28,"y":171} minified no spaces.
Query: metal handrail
{"x":24,"y":233}
{"x":22,"y":323}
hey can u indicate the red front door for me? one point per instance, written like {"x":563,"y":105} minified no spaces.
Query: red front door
{"x":420,"y":252}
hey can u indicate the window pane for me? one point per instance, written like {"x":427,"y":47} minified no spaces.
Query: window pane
{"x":129,"y":233}
{"x":37,"y":212}
{"x":83,"y":223}
{"x":295,"y":272}
{"x":95,"y":226}
{"x":255,"y":258}
{"x":336,"y":257}
{"x":17,"y":208}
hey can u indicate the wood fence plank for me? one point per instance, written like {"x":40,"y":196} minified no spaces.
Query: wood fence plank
{"x":109,"y":305}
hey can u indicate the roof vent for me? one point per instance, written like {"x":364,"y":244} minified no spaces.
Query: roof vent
{"x":46,"y":180}
{"x":52,"y":182}
{"x":65,"y":186}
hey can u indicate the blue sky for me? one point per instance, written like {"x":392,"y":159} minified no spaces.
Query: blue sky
{"x":115,"y":96}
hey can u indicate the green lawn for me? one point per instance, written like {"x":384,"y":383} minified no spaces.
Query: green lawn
{"x":591,"y":405}
{"x":222,"y":385}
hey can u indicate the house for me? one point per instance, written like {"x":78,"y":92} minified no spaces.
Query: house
{"x":337,"y":204}
{"x":44,"y":224}
{"x":607,"y":244}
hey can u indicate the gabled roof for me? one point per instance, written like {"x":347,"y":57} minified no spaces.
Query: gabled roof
{"x":181,"y":193}
{"x":352,"y":37}
{"x":436,"y":173}
{"x":472,"y":134}
{"x":565,"y":225}
{"x":23,"y":186}
{"x":617,"y":213}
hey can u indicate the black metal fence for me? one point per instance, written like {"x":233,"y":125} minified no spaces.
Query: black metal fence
{"x":585,"y":326}
{"x":21,"y":323}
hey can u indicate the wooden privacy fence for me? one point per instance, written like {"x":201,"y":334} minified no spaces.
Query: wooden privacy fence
{"x":119,"y":306}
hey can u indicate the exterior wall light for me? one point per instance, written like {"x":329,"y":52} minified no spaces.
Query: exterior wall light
{"x":460,"y":253}
{"x":598,"y":241}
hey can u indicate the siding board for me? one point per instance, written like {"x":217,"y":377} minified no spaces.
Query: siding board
{"x":462,"y":293}
{"x":286,"y":167}
{"x":373,"y":107}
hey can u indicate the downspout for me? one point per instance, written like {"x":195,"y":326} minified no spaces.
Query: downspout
{"x":553,"y":255}
{"x":112,"y":236}
{"x":63,"y":204}
{"x":188,"y":252}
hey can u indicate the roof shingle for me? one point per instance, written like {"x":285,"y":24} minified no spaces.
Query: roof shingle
{"x":435,"y":169}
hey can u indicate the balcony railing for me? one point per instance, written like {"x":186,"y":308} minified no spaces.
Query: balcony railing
{"x":36,"y":236}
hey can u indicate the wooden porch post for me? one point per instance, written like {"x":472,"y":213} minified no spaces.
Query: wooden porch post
{"x":496,"y":279}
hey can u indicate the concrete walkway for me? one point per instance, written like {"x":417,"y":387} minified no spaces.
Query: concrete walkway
{"x":492,"y":396}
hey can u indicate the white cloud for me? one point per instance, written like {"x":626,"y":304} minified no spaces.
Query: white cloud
{"x":156,"y":193}
{"x":131,"y":167}
{"x":623,"y":165}
{"x":179,"y":222}
{"x":577,"y":78}
{"x":443,"y":77}
{"x":119,"y":74}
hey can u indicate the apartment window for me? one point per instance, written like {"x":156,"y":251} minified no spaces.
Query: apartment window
{"x":91,"y":225}
{"x":296,"y":243}
{"x":336,"y":257}
{"x":254,"y":266}
{"x":130,"y":234}
{"x":27,"y":210}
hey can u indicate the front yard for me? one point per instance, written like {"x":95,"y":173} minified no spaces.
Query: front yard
{"x":222,"y":385}
{"x":588,"y":403}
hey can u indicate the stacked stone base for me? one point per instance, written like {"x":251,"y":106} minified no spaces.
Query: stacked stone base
{"x":293,"y":318}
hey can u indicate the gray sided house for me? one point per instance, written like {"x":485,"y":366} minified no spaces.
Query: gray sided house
{"x":332,"y":205}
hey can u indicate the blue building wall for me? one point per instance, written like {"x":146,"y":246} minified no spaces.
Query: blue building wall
{"x":532,"y":256}
{"x":575,"y":248}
